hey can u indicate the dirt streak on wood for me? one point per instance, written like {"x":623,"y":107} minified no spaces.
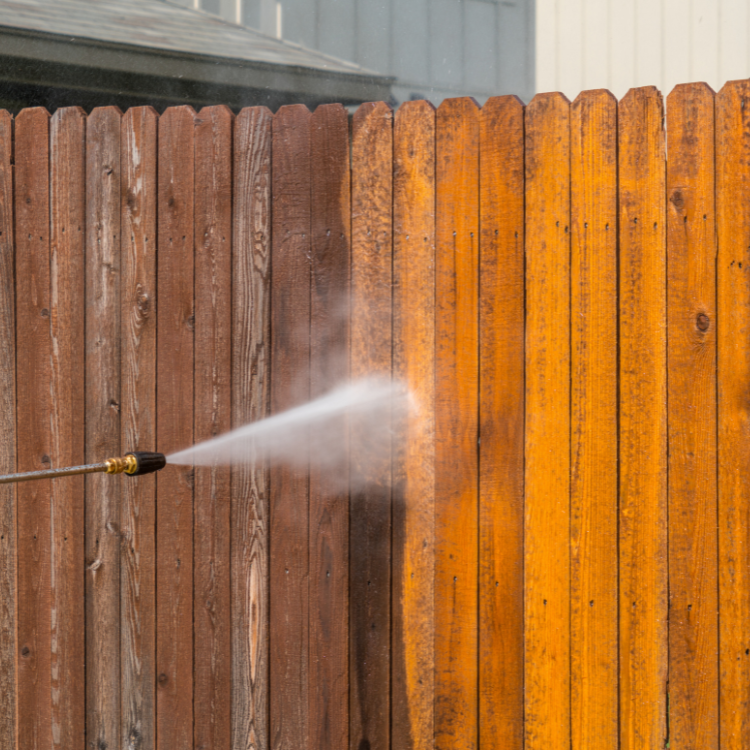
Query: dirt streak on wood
{"x":8,"y":517}
{"x":370,"y":528}
{"x":413,"y":551}
{"x":138,"y":162}
{"x":691,"y":377}
{"x":733,"y":295}
{"x":643,"y":421}
{"x":103,"y":495}
{"x":501,"y":421}
{"x":174,"y":424}
{"x":251,"y":382}
{"x":212,"y":655}
{"x":290,"y":385}
{"x":328,"y":691}
{"x":456,"y":425}
{"x":547,"y":443}
{"x":593,"y":491}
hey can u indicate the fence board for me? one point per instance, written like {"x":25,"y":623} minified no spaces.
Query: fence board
{"x":138,"y":161}
{"x":456,"y":428}
{"x":547,"y":442}
{"x":593,"y":542}
{"x":251,"y":382}
{"x":8,"y":511}
{"x":328,"y":691}
{"x":413,"y":551}
{"x":643,"y":421}
{"x":33,"y":372}
{"x":174,"y":424}
{"x":370,"y":528}
{"x":501,"y":420}
{"x":691,"y":305}
{"x":212,"y":655}
{"x":733,"y":296}
{"x":290,"y":384}
{"x":103,"y":495}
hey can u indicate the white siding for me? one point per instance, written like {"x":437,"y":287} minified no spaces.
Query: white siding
{"x":618,"y":44}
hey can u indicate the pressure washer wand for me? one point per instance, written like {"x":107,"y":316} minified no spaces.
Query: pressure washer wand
{"x":133,"y":464}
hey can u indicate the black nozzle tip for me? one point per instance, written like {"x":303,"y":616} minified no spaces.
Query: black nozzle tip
{"x":147,"y":463}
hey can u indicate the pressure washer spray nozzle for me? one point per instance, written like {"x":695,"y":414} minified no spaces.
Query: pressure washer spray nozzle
{"x":134,"y":464}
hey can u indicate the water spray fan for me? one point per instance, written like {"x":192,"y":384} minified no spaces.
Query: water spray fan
{"x":133,"y":464}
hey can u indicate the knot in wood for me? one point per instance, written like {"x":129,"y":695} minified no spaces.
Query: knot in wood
{"x":703,"y":322}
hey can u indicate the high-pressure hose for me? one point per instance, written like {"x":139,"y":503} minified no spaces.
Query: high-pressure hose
{"x":133,"y":464}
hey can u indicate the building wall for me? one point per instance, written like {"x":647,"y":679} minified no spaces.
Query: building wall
{"x":618,"y":44}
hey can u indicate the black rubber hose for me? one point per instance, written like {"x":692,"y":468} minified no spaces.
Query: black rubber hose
{"x":147,"y":462}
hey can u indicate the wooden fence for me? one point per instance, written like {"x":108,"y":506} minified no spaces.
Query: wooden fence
{"x":561,"y":556}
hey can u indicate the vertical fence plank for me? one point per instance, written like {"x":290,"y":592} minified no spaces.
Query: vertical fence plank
{"x":456,"y":407}
{"x":370,"y":529}
{"x":691,"y":305}
{"x":213,"y":277}
{"x":643,"y":421}
{"x":733,"y":295}
{"x":66,"y":419}
{"x":593,"y":491}
{"x":251,"y":381}
{"x":138,"y":163}
{"x":413,"y":552}
{"x":547,"y":442}
{"x":33,"y":372}
{"x":501,"y":415}
{"x":328,"y":691}
{"x":290,"y":364}
{"x":174,"y":425}
{"x":8,"y":530}
{"x":103,"y":495}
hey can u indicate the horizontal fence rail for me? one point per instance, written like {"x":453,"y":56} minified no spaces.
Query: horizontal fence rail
{"x":553,"y":552}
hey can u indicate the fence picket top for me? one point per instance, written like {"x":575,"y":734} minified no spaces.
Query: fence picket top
{"x":594,"y":95}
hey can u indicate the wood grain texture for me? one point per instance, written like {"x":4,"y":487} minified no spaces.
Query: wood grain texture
{"x":456,"y":424}
{"x":8,"y":530}
{"x":643,"y":421}
{"x":691,"y":305}
{"x":733,"y":296}
{"x":413,"y":550}
{"x":371,"y":355}
{"x":103,"y":496}
{"x":212,"y":655}
{"x":138,"y":163}
{"x":33,"y":373}
{"x":328,"y":691}
{"x":66,"y":420}
{"x":290,"y":385}
{"x":251,"y":382}
{"x":593,"y":488}
{"x":547,"y":442}
{"x":501,"y":421}
{"x":174,"y":425}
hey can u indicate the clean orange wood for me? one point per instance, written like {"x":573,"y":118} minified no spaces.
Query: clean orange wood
{"x":733,"y":296}
{"x":251,"y":382}
{"x":174,"y":423}
{"x":691,"y":305}
{"x":456,"y":428}
{"x":328,"y":691}
{"x":501,"y":420}
{"x":643,"y":421}
{"x":66,"y":420}
{"x":593,"y":478}
{"x":547,"y":441}
{"x":290,"y":384}
{"x":138,"y":161}
{"x":370,"y":527}
{"x":103,"y":496}
{"x":212,"y":656}
{"x":8,"y":529}
{"x":413,"y":552}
